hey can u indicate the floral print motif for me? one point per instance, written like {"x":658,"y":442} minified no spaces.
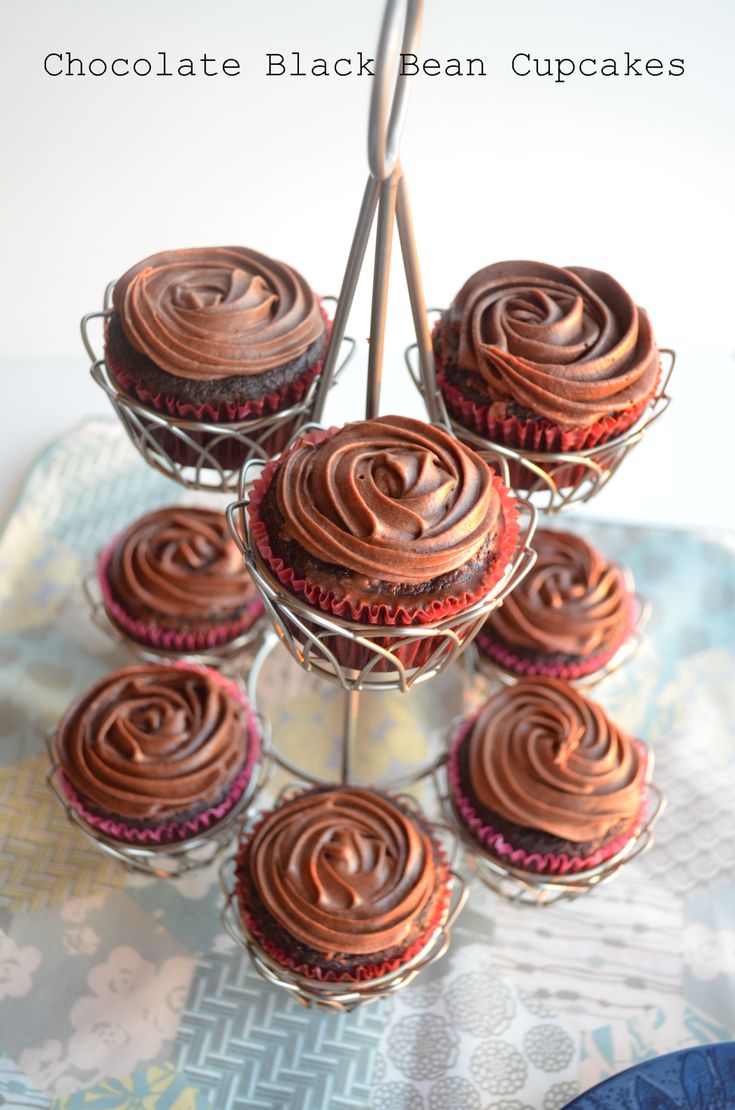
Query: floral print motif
{"x":16,"y":967}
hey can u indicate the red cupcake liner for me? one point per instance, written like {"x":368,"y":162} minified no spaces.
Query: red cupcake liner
{"x":365,"y":972}
{"x":175,"y":640}
{"x":535,"y":434}
{"x":544,"y":863}
{"x":504,"y":655}
{"x":362,"y":610}
{"x":173,"y":832}
{"x":228,"y":452}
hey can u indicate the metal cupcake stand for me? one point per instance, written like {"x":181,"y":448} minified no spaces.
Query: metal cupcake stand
{"x":319,"y":642}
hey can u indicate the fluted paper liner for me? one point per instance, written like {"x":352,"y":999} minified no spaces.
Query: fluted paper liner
{"x":495,"y":844}
{"x":362,"y":610}
{"x":182,"y":639}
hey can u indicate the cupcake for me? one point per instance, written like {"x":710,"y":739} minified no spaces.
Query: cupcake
{"x":174,"y":580}
{"x":543,"y":780}
{"x":545,"y":358}
{"x":341,"y":884}
{"x":153,"y":755}
{"x":384,"y":522}
{"x":215,"y":334}
{"x":567,"y":618}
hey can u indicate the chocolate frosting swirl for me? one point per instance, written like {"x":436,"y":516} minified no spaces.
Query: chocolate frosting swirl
{"x":571,"y":602}
{"x":343,"y":870}
{"x":215,"y":312}
{"x":179,"y":562}
{"x":392,"y":498}
{"x":566,"y":344}
{"x":148,"y":742}
{"x":544,"y":757}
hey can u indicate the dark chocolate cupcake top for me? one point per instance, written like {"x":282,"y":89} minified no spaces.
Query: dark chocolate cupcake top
{"x":151,"y":741}
{"x":572,"y":601}
{"x":567,"y":344}
{"x":343,"y":870}
{"x":391,"y":498}
{"x":544,"y":757}
{"x":215,"y":312}
{"x":179,"y":563}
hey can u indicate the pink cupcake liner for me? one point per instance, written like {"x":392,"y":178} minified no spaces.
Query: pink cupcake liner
{"x":173,"y":832}
{"x":365,"y":972}
{"x":504,"y":655}
{"x":365,"y":612}
{"x":227,"y":452}
{"x":174,"y":640}
{"x":550,"y":863}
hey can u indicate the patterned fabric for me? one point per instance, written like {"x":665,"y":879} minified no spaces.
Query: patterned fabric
{"x":122,"y":992}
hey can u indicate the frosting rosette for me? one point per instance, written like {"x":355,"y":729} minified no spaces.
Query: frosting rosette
{"x":148,"y":743}
{"x":542,"y":756}
{"x":179,"y":563}
{"x":391,"y":499}
{"x":563,"y":343}
{"x":573,"y":602}
{"x":217,"y":312}
{"x":343,"y":871}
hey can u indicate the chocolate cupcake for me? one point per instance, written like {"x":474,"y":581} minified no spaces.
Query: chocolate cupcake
{"x":174,"y":580}
{"x":567,"y":618}
{"x":341,"y":884}
{"x":387,"y":522}
{"x":545,"y":358}
{"x":153,"y":755}
{"x":215,"y":334}
{"x":542,"y":779}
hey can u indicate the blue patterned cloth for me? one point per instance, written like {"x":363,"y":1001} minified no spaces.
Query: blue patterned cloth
{"x":122,"y":991}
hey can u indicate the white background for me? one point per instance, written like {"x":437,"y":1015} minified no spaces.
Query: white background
{"x":629,"y":175}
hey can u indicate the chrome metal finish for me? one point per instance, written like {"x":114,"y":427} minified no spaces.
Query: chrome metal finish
{"x":531,"y":888}
{"x":556,"y":481}
{"x":228,"y":657}
{"x":627,"y":651}
{"x":367,"y":656}
{"x":168,"y":861}
{"x":341,"y":996}
{"x":191,"y":452}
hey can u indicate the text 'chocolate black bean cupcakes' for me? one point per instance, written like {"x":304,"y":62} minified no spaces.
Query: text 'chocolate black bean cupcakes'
{"x":542,"y":779}
{"x":545,"y":358}
{"x":388,"y":522}
{"x":174,"y":580}
{"x":568,"y":617}
{"x":215,"y":334}
{"x":156,"y":754}
{"x":342,"y":884}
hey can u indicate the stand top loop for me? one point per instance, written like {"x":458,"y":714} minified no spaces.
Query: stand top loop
{"x":389,"y":97}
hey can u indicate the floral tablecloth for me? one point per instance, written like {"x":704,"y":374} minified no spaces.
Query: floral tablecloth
{"x":121,"y":991}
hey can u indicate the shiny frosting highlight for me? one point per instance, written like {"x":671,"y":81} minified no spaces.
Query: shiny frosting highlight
{"x":215,"y":312}
{"x":180,"y":562}
{"x":343,"y":870}
{"x":567,"y":344}
{"x":572,"y":601}
{"x":151,"y":741}
{"x":392,"y":498}
{"x":544,"y":757}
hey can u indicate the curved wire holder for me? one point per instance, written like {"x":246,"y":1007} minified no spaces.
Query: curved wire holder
{"x":401,"y":780}
{"x":343,"y":997}
{"x":195,"y":453}
{"x":168,"y":861}
{"x":530,"y":888}
{"x":229,"y":657}
{"x":627,"y":651}
{"x":370,"y":656}
{"x":556,"y":481}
